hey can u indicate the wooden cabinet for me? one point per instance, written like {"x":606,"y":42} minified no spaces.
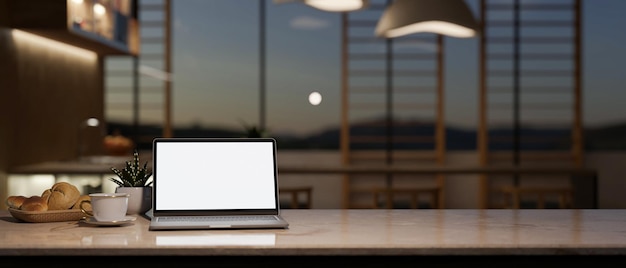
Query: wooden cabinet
{"x":105,"y":27}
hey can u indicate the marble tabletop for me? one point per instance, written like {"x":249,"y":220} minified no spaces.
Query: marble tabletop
{"x":363,"y":232}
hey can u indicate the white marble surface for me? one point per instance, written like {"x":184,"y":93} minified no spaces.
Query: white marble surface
{"x":342,"y":232}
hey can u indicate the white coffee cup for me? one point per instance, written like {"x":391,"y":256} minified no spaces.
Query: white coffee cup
{"x":107,"y":207}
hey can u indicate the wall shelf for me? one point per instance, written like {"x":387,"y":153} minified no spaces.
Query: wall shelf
{"x":54,"y":19}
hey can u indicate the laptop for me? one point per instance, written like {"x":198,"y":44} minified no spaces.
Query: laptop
{"x":215,"y":183}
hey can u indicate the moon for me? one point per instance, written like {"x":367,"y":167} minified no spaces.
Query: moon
{"x":315,"y":98}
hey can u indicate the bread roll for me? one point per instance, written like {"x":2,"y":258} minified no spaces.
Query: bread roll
{"x":81,"y":198}
{"x":35,"y":203}
{"x":46,"y":193}
{"x":15,"y":201}
{"x":62,"y":196}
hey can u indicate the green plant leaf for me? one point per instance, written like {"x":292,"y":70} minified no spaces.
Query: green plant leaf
{"x":132,"y":175}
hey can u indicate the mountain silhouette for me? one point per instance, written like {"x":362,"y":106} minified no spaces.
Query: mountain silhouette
{"x":612,"y":137}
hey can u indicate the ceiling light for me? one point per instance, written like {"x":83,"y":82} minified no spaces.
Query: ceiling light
{"x":331,"y":5}
{"x":337,"y":5}
{"x":447,"y":17}
{"x":99,"y":9}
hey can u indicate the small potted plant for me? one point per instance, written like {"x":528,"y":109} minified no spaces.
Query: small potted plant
{"x":252,"y":131}
{"x":135,"y":180}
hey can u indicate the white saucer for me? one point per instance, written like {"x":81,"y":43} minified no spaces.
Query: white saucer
{"x":127,"y":219}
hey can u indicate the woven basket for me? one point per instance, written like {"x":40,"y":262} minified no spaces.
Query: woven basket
{"x":47,"y":216}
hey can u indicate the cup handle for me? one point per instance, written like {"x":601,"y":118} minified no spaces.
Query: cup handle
{"x":84,"y":210}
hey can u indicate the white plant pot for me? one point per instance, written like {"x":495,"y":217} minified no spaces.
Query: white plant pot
{"x":139,"y":200}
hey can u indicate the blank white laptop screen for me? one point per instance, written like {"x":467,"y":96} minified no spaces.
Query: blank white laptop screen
{"x":215,"y":176}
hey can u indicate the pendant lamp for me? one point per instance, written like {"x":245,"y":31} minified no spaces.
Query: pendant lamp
{"x":447,"y":17}
{"x":331,"y":5}
{"x":337,"y":5}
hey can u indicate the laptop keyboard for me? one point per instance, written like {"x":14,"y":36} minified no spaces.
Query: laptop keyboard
{"x":217,"y":218}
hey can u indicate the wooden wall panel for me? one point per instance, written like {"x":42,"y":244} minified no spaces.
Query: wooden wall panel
{"x":55,"y":89}
{"x":4,"y":13}
{"x":6,"y":114}
{"x":49,"y":14}
{"x":5,"y":94}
